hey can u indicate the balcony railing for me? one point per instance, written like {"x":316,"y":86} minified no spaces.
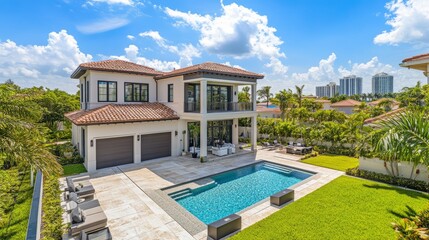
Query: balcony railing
{"x":219,"y":107}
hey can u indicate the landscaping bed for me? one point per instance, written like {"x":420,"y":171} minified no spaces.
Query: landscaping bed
{"x":15,"y":203}
{"x":337,"y":162}
{"x":72,"y":169}
{"x":346,"y":208}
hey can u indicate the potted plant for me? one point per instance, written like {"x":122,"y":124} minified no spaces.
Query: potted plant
{"x":194,"y":130}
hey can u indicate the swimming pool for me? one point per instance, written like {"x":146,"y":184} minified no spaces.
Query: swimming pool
{"x":218,"y":196}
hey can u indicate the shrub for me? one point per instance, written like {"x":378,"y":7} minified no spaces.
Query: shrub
{"x":398,"y":181}
{"x":413,"y":227}
{"x":309,"y":155}
{"x":52,"y":225}
{"x":66,"y":153}
{"x":244,"y":140}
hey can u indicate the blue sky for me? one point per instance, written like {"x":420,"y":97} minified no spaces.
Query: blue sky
{"x":309,"y":42}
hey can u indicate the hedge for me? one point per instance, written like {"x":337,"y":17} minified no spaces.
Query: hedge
{"x":393,"y":180}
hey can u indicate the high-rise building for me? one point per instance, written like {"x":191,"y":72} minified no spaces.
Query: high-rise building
{"x":327,"y":91}
{"x":382,"y":83}
{"x":350,"y":85}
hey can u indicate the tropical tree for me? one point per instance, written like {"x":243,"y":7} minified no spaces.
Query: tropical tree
{"x":244,"y":95}
{"x":386,"y":104}
{"x":265,"y":94}
{"x":21,"y":138}
{"x":284,"y":100}
{"x":311,"y":105}
{"x":413,"y":96}
{"x":299,"y":95}
{"x":403,"y":138}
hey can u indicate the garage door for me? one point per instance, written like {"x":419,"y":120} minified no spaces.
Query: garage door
{"x":114,"y":151}
{"x":155,"y":145}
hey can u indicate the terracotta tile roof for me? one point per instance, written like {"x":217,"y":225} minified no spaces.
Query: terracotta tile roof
{"x":211,"y":67}
{"x":115,"y":66}
{"x":384,"y":116}
{"x":416,"y":58}
{"x":123,"y":113}
{"x":346,"y":103}
{"x":376,"y":102}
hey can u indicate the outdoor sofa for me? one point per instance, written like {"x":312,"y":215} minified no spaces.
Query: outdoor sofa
{"x":87,"y":216}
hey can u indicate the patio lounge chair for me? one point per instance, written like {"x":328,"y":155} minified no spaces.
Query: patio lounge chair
{"x":86,"y":217}
{"x":81,"y":186}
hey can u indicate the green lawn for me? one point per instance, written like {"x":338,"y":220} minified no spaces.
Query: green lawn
{"x":72,"y":169}
{"x":337,"y":162}
{"x":14,"y":213}
{"x":346,"y":208}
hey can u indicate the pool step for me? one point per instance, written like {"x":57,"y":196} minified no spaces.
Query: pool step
{"x":177,"y":198}
{"x":181,"y":193}
{"x":278,"y":168}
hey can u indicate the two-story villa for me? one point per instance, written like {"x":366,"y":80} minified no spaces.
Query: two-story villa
{"x":132,"y":113}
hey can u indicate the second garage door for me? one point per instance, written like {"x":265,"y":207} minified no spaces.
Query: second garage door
{"x":155,"y":145}
{"x":114,"y":151}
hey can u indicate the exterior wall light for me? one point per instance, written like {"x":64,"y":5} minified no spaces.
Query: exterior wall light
{"x":175,"y":133}
{"x":138,"y":137}
{"x":91,"y":143}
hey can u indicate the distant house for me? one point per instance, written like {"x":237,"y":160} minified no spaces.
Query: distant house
{"x":382,"y":117}
{"x":394,"y":105}
{"x":326,"y":104}
{"x":272,"y":111}
{"x":347,"y":106}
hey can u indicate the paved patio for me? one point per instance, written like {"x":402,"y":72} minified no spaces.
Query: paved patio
{"x":125,"y":192}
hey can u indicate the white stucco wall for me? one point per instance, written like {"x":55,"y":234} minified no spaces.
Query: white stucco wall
{"x":95,"y":132}
{"x":178,"y":93}
{"x":120,"y":78}
{"x":377,"y":165}
{"x":346,"y":110}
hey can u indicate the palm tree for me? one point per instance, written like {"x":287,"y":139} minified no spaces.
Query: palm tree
{"x":386,"y":104}
{"x":404,"y":138}
{"x":299,"y":94}
{"x":265,"y":94}
{"x":244,"y":95}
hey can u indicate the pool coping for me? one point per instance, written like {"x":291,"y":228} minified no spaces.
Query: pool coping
{"x":190,"y":222}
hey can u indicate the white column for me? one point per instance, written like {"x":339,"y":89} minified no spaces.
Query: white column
{"x":253,"y":132}
{"x":254,"y":96}
{"x":235,"y":131}
{"x":203,"y":139}
{"x":203,"y":97}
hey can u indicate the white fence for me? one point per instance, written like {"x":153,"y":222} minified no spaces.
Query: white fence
{"x":404,"y":168}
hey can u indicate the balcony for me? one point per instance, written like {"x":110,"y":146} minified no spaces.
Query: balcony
{"x":219,"y":107}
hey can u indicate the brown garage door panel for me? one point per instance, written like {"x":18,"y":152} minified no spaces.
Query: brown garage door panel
{"x":155,"y":145}
{"x":114,"y":151}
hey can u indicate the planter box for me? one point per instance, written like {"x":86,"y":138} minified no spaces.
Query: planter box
{"x":224,"y":226}
{"x":282,"y":197}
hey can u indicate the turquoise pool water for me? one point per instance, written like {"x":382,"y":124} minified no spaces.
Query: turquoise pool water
{"x":235,"y":190}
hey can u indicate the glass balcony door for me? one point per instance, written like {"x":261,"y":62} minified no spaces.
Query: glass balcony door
{"x":218,"y":98}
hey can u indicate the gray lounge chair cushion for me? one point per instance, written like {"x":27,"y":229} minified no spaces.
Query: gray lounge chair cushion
{"x":76,"y":215}
{"x":86,"y":191}
{"x":92,"y":222}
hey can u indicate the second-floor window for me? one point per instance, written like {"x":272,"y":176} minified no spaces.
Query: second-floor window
{"x":107,"y":91}
{"x":170,"y":92}
{"x":136,"y":92}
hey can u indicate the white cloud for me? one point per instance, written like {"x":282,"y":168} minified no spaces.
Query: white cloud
{"x":327,"y":72}
{"x":103,"y":25}
{"x":112,"y":2}
{"x":186,"y":52}
{"x":131,"y":37}
{"x":233,"y":65}
{"x":239,"y":32}
{"x":409,"y":21}
{"x":132,"y":54}
{"x":48,"y":65}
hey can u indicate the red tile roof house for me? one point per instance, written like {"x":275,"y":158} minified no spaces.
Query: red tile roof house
{"x":268,"y":112}
{"x":347,"y":106}
{"x":132,"y":113}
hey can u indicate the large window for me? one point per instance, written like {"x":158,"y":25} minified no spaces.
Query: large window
{"x":107,"y":91}
{"x":192,"y":98}
{"x":218,"y":98}
{"x":170,"y":92}
{"x":219,"y":131}
{"x":136,"y":92}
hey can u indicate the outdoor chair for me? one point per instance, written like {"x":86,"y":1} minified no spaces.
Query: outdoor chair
{"x":81,"y":186}
{"x":87,"y":220}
